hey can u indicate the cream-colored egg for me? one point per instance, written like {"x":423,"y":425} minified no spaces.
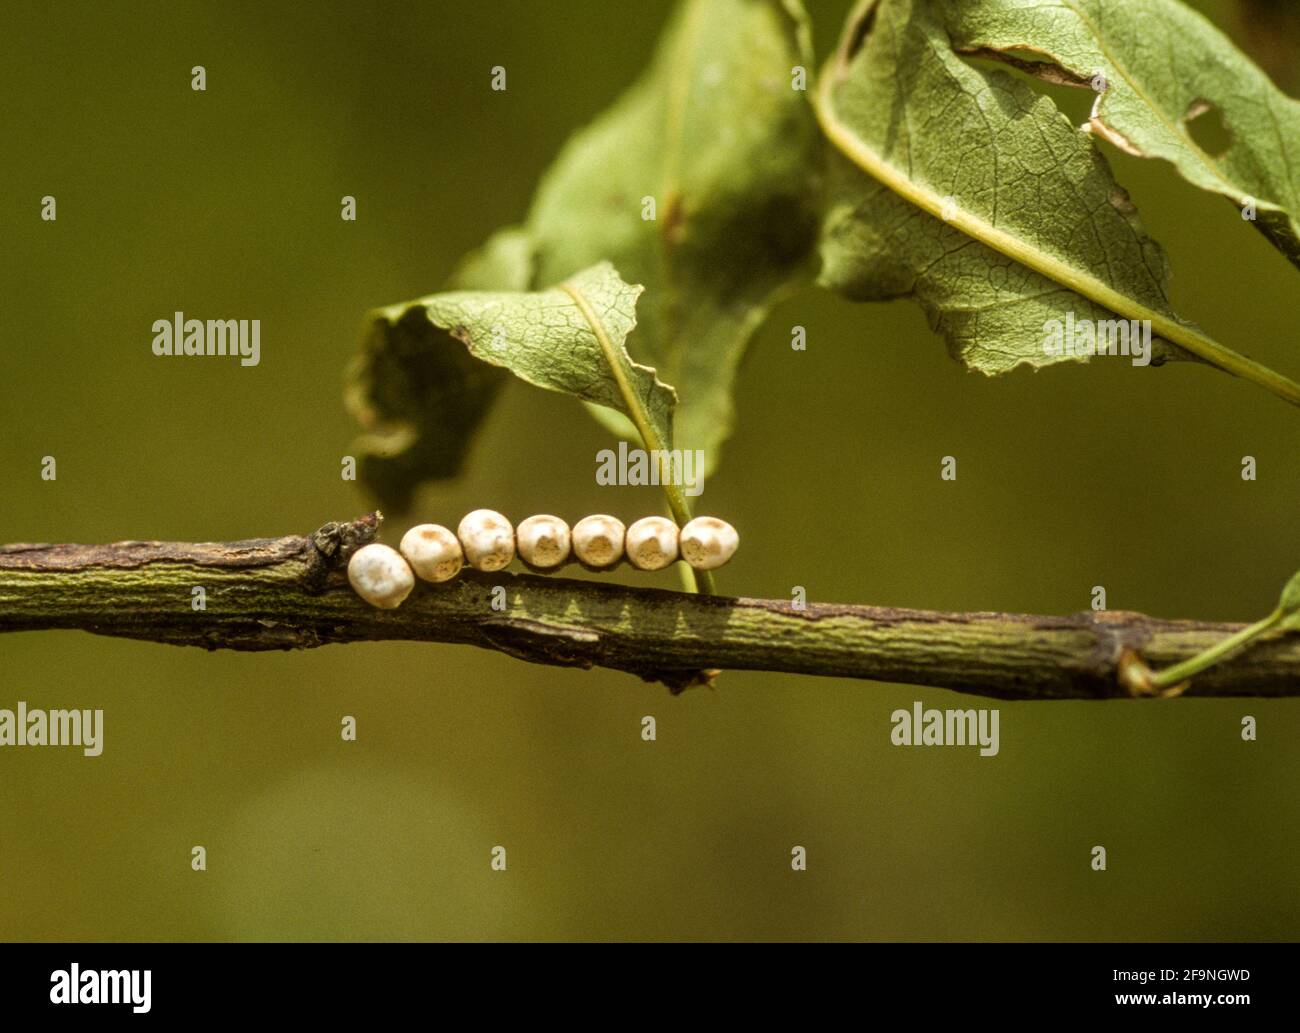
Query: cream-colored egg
{"x":706,"y":543}
{"x":652,"y":543}
{"x":598,"y":541}
{"x":433,"y":552}
{"x":380,"y":576}
{"x":543,"y":542}
{"x":488,"y":540}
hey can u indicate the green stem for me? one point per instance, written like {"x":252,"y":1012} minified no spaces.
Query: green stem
{"x":681,"y":511}
{"x":1180,"y":672}
{"x":677,"y":504}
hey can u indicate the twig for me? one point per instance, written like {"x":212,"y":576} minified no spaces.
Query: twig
{"x":292,"y":593}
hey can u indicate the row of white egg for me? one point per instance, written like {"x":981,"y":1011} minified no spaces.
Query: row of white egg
{"x":485,"y":540}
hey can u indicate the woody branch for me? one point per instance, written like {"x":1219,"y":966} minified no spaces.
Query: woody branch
{"x":292,"y":593}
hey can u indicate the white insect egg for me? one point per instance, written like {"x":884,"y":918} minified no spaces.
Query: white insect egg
{"x":652,"y":543}
{"x":707,"y":543}
{"x":380,"y":576}
{"x":543,"y":542}
{"x":488,"y":540}
{"x":598,"y":541}
{"x":433,"y":552}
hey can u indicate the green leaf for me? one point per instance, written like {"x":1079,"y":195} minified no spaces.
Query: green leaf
{"x":983,"y":203}
{"x":419,"y":395}
{"x":716,"y":135}
{"x":568,"y":338}
{"x":718,"y":138}
{"x":1162,"y":66}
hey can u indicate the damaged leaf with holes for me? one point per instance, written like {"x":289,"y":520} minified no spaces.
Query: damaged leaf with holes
{"x":1158,"y":67}
{"x":987,"y":144}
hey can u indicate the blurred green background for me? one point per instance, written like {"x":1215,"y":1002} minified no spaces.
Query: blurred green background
{"x":226,"y":203}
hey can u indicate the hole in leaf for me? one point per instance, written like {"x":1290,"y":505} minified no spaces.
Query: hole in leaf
{"x":1073,"y":97}
{"x":1205,"y":123}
